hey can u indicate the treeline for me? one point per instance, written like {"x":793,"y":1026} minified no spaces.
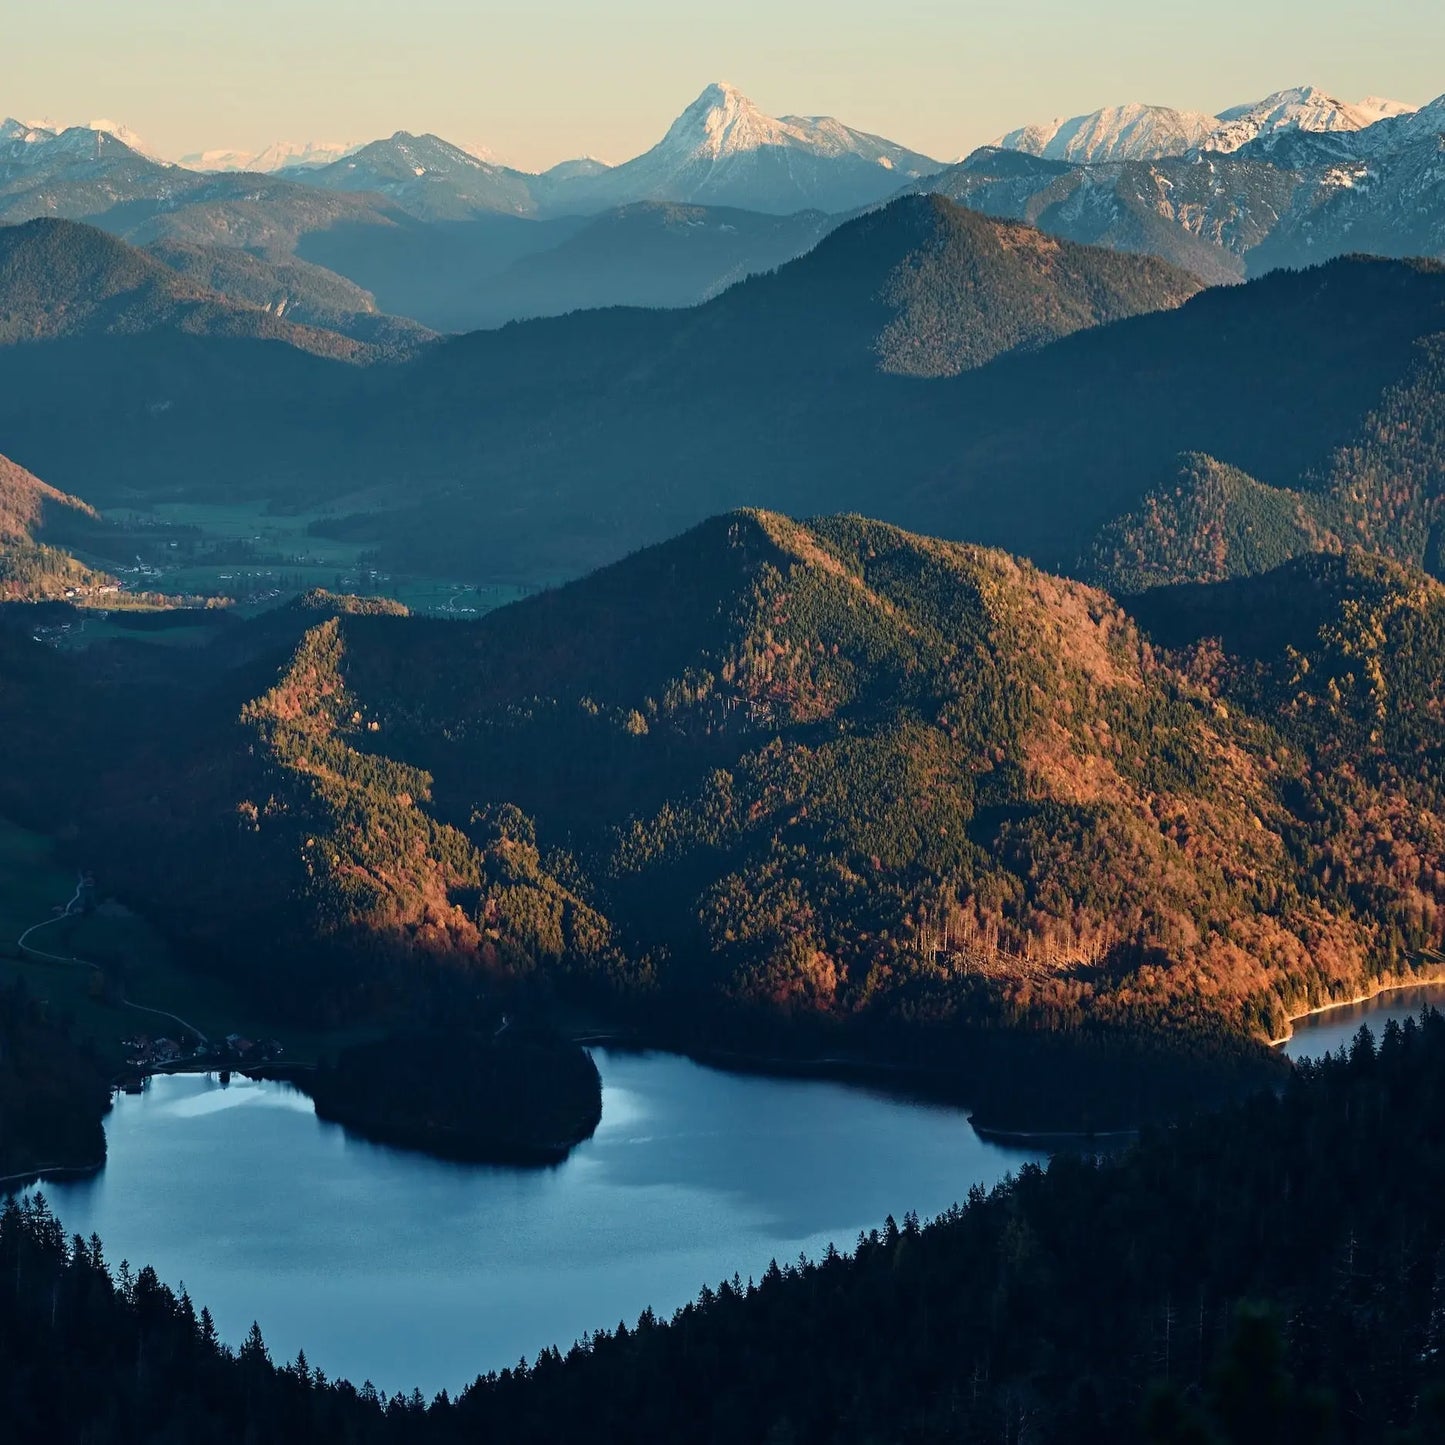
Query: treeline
{"x":1273,"y":1273}
{"x":775,"y":775}
{"x":54,"y":1092}
{"x":1382,"y":491}
{"x":510,"y":1095}
{"x":36,"y":572}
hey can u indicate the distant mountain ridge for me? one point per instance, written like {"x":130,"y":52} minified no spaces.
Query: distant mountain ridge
{"x":722,"y":151}
{"x":827,"y":357}
{"x":62,"y":280}
{"x":427,"y":177}
{"x":960,"y":376}
{"x":1285,"y":195}
{"x":1151,"y":132}
{"x":277,"y":156}
{"x":432,"y":229}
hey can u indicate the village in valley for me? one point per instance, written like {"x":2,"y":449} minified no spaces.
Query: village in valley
{"x":152,"y":1054}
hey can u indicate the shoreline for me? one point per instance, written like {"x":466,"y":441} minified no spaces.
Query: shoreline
{"x":43,"y":1172}
{"x":1045,"y":1137}
{"x":1397,"y":986}
{"x":920,"y":1084}
{"x":917,"y":1083}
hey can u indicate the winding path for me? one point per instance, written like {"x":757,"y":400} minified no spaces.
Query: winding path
{"x":67,"y":912}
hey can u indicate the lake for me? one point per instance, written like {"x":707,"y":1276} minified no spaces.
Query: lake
{"x":1327,"y":1032}
{"x":408,"y":1271}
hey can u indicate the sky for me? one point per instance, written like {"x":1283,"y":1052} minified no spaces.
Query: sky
{"x":537,"y":81}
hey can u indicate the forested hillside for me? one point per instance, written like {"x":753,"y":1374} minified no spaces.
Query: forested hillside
{"x":800,"y":787}
{"x":917,"y":365}
{"x":60,"y":279}
{"x":303,"y":293}
{"x":547,"y":447}
{"x":36,"y":522}
{"x":1313,"y":382}
{"x":54,"y":1092}
{"x":1272,"y":1274}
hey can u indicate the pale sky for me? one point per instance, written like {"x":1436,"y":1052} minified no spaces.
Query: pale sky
{"x":541,"y":80}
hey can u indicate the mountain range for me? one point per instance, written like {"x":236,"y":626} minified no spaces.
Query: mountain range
{"x":1287,"y":184}
{"x":723,"y":125}
{"x":984,"y":632}
{"x":61,"y":281}
{"x":279,"y":155}
{"x":1135,"y":132}
{"x":826,"y":356}
{"x":432,"y":231}
{"x":960,"y":376}
{"x":722,"y":150}
{"x":447,"y":237}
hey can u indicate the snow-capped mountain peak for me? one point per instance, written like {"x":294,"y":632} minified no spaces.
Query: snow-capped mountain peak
{"x":276,"y":156}
{"x":39,"y":146}
{"x":722,"y":121}
{"x":1303,"y":107}
{"x":280,"y":154}
{"x":724,"y":151}
{"x":1116,"y":133}
{"x":1379,"y":107}
{"x":1152,"y":132}
{"x":19,"y":130}
{"x":125,"y":135}
{"x":584,"y":167}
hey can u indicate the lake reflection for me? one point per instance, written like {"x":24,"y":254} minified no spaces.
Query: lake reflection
{"x":406,"y":1270}
{"x":1325,"y":1033}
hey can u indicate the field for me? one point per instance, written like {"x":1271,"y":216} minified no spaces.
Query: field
{"x":258,"y":558}
{"x":34,"y":883}
{"x":282,"y":534}
{"x":91,"y":628}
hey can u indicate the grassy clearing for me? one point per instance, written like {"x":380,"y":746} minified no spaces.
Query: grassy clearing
{"x":257,"y":557}
{"x":33,"y":883}
{"x":282,"y":535}
{"x":453,"y":599}
{"x":90,"y":630}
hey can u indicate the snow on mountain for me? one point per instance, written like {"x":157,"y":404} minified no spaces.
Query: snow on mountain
{"x":276,"y":156}
{"x":26,"y":132}
{"x":1137,"y":132}
{"x":479,"y":151}
{"x":1305,"y":107}
{"x":1378,"y":107}
{"x":1117,"y":133}
{"x":578,"y":167}
{"x":1395,"y":132}
{"x":216,"y":160}
{"x":37,"y":148}
{"x":126,"y":136}
{"x":723,"y":150}
{"x":426,"y":176}
{"x":46,"y":135}
{"x":723,"y":122}
{"x":280,"y":154}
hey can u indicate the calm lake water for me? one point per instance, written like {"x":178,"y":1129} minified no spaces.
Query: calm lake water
{"x":1325,"y":1033}
{"x":391,"y":1266}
